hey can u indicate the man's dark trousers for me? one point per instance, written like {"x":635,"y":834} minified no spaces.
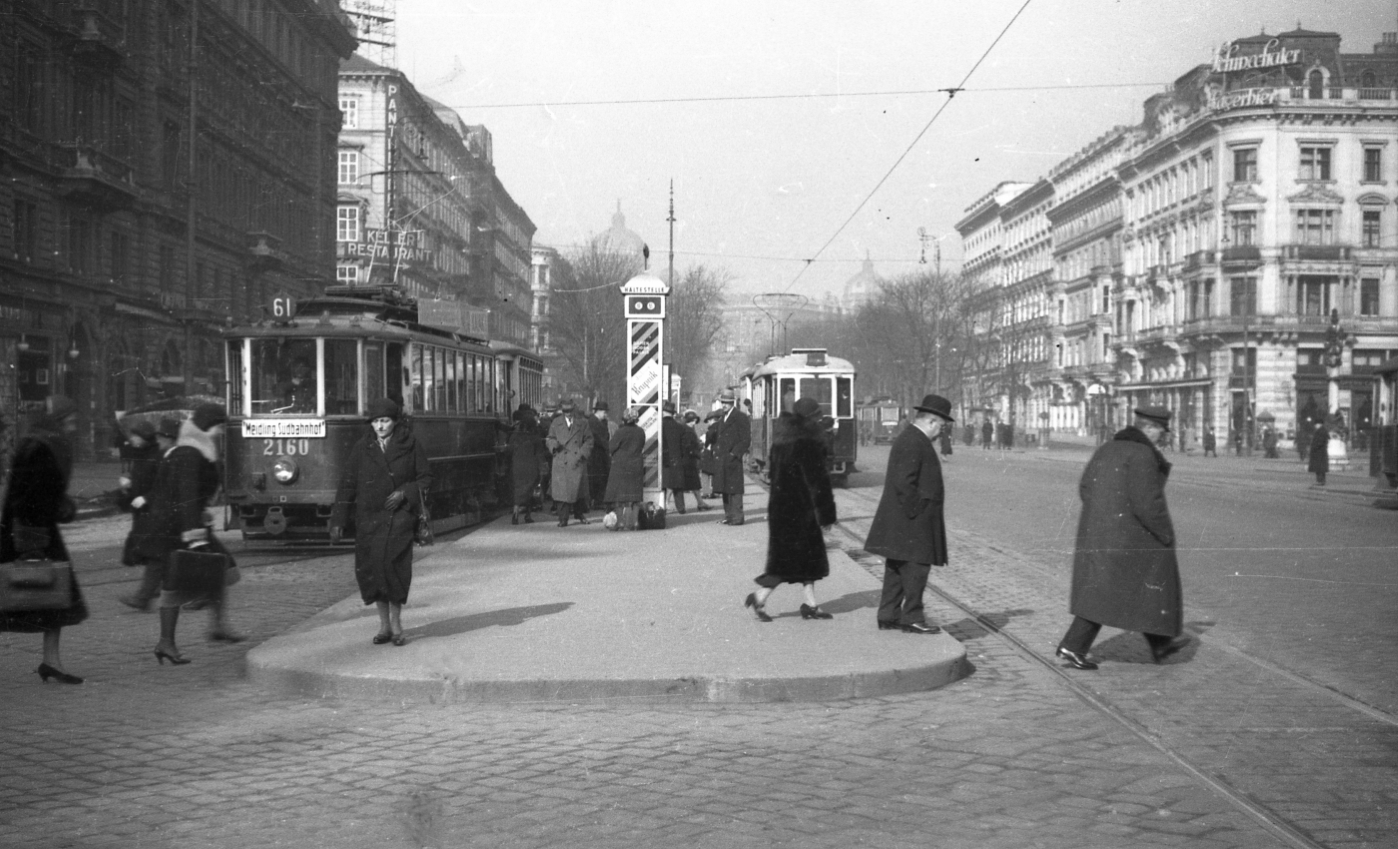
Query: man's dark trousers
{"x":733,"y":508}
{"x":903,"y":583}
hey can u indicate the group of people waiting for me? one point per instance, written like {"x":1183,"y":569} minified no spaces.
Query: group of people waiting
{"x":173,"y":477}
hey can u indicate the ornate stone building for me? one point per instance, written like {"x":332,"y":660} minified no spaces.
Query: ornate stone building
{"x":139,"y":208}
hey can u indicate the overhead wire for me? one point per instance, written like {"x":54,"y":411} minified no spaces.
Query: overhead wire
{"x":951,"y":95}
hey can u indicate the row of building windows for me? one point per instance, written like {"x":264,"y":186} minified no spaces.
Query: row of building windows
{"x":1314,"y":163}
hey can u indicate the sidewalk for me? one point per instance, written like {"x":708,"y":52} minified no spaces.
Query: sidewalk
{"x":535,"y":613}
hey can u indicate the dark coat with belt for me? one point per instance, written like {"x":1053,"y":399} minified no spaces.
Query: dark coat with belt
{"x":145,"y":466}
{"x":35,"y":500}
{"x":908,"y":524}
{"x":383,"y":539}
{"x":527,"y":457}
{"x":627,"y":479}
{"x":733,"y":441}
{"x":681,"y":452}
{"x":1124,"y":569}
{"x":799,"y":504}
{"x":1318,"y":458}
{"x":570,"y":447}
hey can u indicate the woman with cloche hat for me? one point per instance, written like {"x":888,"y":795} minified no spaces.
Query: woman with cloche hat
{"x":626,"y":478}
{"x":386,"y":481}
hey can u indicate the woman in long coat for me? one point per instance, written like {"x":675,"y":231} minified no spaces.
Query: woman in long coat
{"x":527,"y":455}
{"x":1318,"y":459}
{"x":799,"y":505}
{"x":626,"y":480}
{"x":386,"y":481}
{"x":36,"y":502}
{"x":137,"y":488}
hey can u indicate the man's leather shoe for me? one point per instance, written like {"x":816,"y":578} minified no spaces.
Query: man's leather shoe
{"x":1161,"y":652}
{"x":920,"y":628}
{"x":889,"y":626}
{"x":582,"y":520}
{"x":1075,"y":660}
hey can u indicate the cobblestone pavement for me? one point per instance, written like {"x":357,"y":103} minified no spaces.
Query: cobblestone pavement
{"x":196,"y":756}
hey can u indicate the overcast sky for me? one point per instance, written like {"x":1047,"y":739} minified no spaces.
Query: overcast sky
{"x":777,"y":119}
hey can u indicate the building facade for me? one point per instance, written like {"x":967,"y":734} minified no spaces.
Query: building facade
{"x":126,"y":237}
{"x":1235,"y":256}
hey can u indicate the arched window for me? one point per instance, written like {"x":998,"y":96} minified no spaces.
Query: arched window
{"x":1367,"y":80}
{"x":1316,"y":82}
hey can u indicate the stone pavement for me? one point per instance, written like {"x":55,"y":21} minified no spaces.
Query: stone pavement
{"x":200,"y":756}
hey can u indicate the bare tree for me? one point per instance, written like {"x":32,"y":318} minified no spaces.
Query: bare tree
{"x":695,"y":319}
{"x":587,"y":324}
{"x":915,"y":320}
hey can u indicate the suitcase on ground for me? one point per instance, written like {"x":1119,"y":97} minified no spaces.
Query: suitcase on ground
{"x":35,"y":585}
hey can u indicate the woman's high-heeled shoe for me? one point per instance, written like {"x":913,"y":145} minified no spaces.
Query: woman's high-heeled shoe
{"x":225,"y":637}
{"x":808,"y":612}
{"x":400,"y":639}
{"x":46,"y":672}
{"x":751,"y":601}
{"x":174,"y":658}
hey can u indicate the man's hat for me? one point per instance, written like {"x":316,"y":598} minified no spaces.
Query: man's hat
{"x":806,"y":407}
{"x":726,"y":397}
{"x":383,"y":408}
{"x":169,"y":428}
{"x":668,"y":407}
{"x":206,"y":416}
{"x":600,"y":406}
{"x":566,"y":405}
{"x":1158,"y":415}
{"x":936,"y":405}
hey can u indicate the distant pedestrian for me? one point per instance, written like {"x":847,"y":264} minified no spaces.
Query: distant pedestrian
{"x":968,"y":435}
{"x":692,"y":451}
{"x":945,"y":440}
{"x":1124,"y":568}
{"x":1237,"y":443}
{"x":527,"y":456}
{"x":386,"y":479}
{"x":730,"y":446}
{"x":1210,"y":441}
{"x":570,"y":443}
{"x":1269,"y":444}
{"x":908,"y":530}
{"x":1318,"y":458}
{"x":987,"y":434}
{"x":625,"y":485}
{"x":800,"y":505}
{"x":185,"y":484}
{"x":144,"y":450}
{"x":599,"y":462}
{"x":36,"y":503}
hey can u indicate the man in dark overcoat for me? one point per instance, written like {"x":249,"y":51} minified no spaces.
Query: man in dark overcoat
{"x":673,"y":448}
{"x":599,"y":462}
{"x":1318,"y":456}
{"x":1124,"y":569}
{"x":730,"y":446}
{"x":570,"y":443}
{"x":909,"y":531}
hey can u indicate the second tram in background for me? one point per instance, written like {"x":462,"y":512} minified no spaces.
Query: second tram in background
{"x":299,"y":388}
{"x":880,"y":420}
{"x":773,"y":386}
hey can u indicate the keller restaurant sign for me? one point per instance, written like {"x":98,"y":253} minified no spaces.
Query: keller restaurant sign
{"x":1273,"y":55}
{"x":400,"y":246}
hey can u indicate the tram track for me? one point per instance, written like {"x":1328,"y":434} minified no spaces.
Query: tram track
{"x":848,"y":535}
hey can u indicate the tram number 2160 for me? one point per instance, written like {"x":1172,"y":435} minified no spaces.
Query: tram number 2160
{"x":285,"y":447}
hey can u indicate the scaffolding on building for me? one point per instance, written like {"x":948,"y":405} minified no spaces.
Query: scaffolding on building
{"x":375,"y":23}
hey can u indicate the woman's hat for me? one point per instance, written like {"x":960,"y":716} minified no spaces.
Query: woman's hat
{"x":143,"y":429}
{"x":630,"y":414}
{"x":937,"y":405}
{"x":806,"y":407}
{"x":384,"y":408}
{"x":601,"y":405}
{"x":169,"y":428}
{"x":207,"y":416}
{"x":1156,"y":415}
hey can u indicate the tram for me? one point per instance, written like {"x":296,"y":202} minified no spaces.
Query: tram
{"x":880,"y":421}
{"x":299,"y":386}
{"x":774,"y":385}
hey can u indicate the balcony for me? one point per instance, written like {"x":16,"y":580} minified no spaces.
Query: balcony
{"x":1241,"y":255}
{"x":265,"y":253}
{"x":1198,"y":259}
{"x":1318,"y":253}
{"x":101,"y":35}
{"x":95,"y":180}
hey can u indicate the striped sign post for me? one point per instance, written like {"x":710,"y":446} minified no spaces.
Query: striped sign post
{"x":644,"y":296}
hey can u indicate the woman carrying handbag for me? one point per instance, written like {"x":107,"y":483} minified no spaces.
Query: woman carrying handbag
{"x":386,"y":482}
{"x":35,"y":503}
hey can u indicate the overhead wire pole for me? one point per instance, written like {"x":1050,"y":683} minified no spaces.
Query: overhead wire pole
{"x":951,"y":95}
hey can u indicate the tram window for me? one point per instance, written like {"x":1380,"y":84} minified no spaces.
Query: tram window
{"x":283,"y":377}
{"x":235,"y":377}
{"x":341,"y":377}
{"x":451,"y":357}
{"x":394,"y":372}
{"x":439,"y":379}
{"x":818,"y":388}
{"x":844,"y":397}
{"x":373,"y":373}
{"x":415,"y":376}
{"x":492,"y":386}
{"x":788,"y":393}
{"x":477,"y":385}
{"x":429,"y":380}
{"x":460,"y":382}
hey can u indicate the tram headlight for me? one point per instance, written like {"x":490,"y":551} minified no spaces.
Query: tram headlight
{"x":285,"y":471}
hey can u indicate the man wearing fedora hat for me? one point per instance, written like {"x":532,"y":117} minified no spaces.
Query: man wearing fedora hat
{"x":908,"y":529}
{"x":1124,"y":568}
{"x":732,"y":444}
{"x":599,"y":462}
{"x":570,"y":443}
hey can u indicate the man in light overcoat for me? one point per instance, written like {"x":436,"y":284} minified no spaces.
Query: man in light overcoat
{"x":570,"y":443}
{"x":908,"y":529}
{"x":1124,"y":570}
{"x":734,"y":439}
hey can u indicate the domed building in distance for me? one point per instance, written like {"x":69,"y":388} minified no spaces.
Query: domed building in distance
{"x":861,"y":287}
{"x":619,"y":239}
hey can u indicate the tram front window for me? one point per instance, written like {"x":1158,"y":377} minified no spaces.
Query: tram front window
{"x":283,"y":377}
{"x":820,"y":389}
{"x":341,"y":377}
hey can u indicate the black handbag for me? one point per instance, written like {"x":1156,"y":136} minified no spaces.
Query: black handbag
{"x":35,"y":585}
{"x":651,"y":518}
{"x":197,"y":572}
{"x":422,"y":533}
